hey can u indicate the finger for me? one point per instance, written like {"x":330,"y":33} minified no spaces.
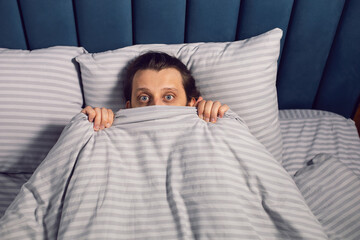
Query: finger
{"x":200,"y":108}
{"x":104,"y":118}
{"x":110,"y":118}
{"x":222,"y":110}
{"x":90,"y":112}
{"x":207,"y":110}
{"x":214,"y":111}
{"x":198,"y":101}
{"x":97,"y":120}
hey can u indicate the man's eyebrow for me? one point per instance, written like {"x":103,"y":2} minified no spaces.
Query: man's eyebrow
{"x":170,"y":89}
{"x":142,"y":89}
{"x":147,"y":90}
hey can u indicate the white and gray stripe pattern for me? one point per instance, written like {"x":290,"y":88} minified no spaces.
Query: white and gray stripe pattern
{"x":160,"y":173}
{"x":39,"y":94}
{"x":307,"y":133}
{"x":241,"y":74}
{"x":332,"y":191}
{"x":10,"y":185}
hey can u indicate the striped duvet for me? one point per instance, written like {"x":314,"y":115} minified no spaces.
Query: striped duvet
{"x":159,"y":173}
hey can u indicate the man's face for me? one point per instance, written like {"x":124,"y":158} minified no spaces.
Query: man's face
{"x":162,"y":87}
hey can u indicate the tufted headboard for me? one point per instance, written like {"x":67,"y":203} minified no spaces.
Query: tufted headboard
{"x":319,"y":65}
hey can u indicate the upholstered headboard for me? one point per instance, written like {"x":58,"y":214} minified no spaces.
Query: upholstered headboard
{"x":319,"y":65}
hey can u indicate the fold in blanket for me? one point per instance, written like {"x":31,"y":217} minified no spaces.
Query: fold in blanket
{"x":332,"y":191}
{"x":159,"y":173}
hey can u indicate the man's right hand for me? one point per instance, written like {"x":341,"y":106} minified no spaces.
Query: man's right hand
{"x":102,"y":117}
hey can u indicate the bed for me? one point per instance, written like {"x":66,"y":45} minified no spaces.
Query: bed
{"x":288,"y":69}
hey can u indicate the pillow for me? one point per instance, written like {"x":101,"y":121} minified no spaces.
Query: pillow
{"x":39,"y":93}
{"x":332,"y":191}
{"x":241,"y":74}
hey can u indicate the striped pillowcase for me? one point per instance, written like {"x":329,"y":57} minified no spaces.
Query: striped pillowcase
{"x":241,"y":74}
{"x":332,"y":191}
{"x":308,"y":132}
{"x":39,"y":93}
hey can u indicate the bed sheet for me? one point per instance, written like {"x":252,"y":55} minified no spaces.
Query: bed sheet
{"x":10,"y":187}
{"x":332,"y":191}
{"x":307,"y":133}
{"x":322,"y":154}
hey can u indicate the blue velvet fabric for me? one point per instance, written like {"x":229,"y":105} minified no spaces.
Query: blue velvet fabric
{"x":104,"y":25}
{"x":11,"y":30}
{"x":48,"y":23}
{"x":339,"y":89}
{"x":159,"y":21}
{"x":307,"y":45}
{"x":258,"y":16}
{"x":211,"y":20}
{"x":319,"y":64}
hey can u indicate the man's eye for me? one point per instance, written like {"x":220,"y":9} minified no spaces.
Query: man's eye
{"x":143,"y":98}
{"x":169,"y":97}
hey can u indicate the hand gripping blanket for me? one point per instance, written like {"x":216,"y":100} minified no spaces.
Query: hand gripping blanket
{"x":159,"y":172}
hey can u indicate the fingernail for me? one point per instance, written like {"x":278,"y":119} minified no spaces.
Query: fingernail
{"x":207,"y":119}
{"x":96,"y":127}
{"x":213,"y":120}
{"x":102,"y":126}
{"x":201,"y":116}
{"x":108,"y":125}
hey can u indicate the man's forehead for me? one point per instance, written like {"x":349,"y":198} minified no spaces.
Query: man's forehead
{"x":149,"y":77}
{"x":164,"y":71}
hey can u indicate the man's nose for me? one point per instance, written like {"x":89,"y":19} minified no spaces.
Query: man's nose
{"x":157,"y":101}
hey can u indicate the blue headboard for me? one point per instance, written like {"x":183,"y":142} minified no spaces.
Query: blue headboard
{"x":319,"y":65}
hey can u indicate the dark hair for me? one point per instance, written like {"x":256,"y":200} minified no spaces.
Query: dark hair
{"x":158,"y":61}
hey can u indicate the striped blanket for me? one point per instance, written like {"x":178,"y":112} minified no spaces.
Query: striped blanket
{"x":159,"y":173}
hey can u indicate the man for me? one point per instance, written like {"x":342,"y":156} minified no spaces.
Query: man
{"x":155,"y":78}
